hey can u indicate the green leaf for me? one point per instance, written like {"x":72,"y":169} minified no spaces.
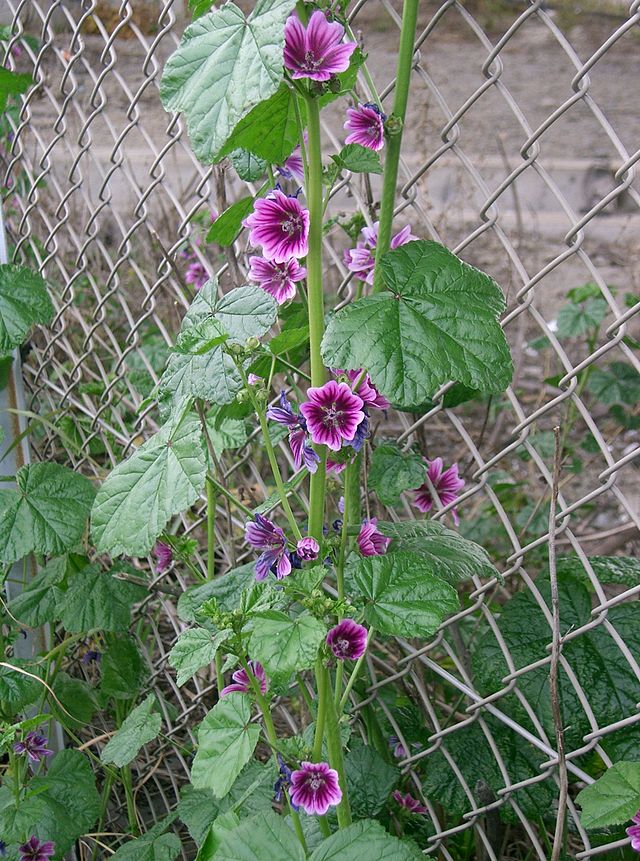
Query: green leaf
{"x":264,"y":837}
{"x":201,"y":338}
{"x":195,"y":649}
{"x":283,"y":645}
{"x":164,"y":476}
{"x":270,"y":130}
{"x":358,"y":159}
{"x":243,"y":313}
{"x":18,"y":690}
{"x":226,"y":822}
{"x":394,"y":471}
{"x":63,"y":803}
{"x":226,"y":741}
{"x":122,"y":670}
{"x":248,"y":166}
{"x":608,"y":569}
{"x":24,"y":299}
{"x":155,"y":845}
{"x":46,"y":514}
{"x":39,"y":602}
{"x":370,"y":780}
{"x":445,"y":552}
{"x":227,"y":225}
{"x":619,"y":384}
{"x":436,"y":322}
{"x":366,"y":839}
{"x":613,"y":799}
{"x":12,"y":84}
{"x":77,"y":697}
{"x":224,"y":66}
{"x":141,"y":726}
{"x":200,"y":7}
{"x":97,"y":599}
{"x":404,"y":597}
{"x":289,"y":339}
{"x":576,"y":320}
{"x":225,"y":432}
{"x":226,"y":589}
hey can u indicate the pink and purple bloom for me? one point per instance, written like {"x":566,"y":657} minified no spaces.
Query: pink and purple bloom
{"x":333,"y":413}
{"x":366,"y":126}
{"x":315,"y":788}
{"x":633,"y":831}
{"x":196,"y":274}
{"x":280,"y":225}
{"x":446,"y":483}
{"x":366,"y":390}
{"x":34,"y":850}
{"x":242,"y":682}
{"x":370,"y":541}
{"x":361,"y":259}
{"x":278,"y":279}
{"x":316,"y":51}
{"x":298,"y":434}
{"x":34,"y":746}
{"x":264,"y":535}
{"x":307,"y":549}
{"x":347,"y":640}
{"x":253,"y":379}
{"x":409,"y":802}
{"x":164,"y":556}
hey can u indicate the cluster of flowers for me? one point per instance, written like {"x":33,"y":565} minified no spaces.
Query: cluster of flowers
{"x":279,"y":224}
{"x":34,"y":747}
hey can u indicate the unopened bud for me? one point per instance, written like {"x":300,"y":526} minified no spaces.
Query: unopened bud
{"x":252,"y":344}
{"x":393,"y":126}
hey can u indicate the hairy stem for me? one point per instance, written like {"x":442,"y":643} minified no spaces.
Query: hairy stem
{"x":336,"y":760}
{"x":322,"y":687}
{"x":211,"y":530}
{"x":395,"y":126}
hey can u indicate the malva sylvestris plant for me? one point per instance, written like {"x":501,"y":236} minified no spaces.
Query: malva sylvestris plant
{"x":326,"y":580}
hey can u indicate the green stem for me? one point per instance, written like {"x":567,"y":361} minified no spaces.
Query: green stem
{"x":263,"y":705}
{"x":322,"y":687}
{"x":211,"y":531}
{"x":227,"y":495}
{"x":336,"y":760}
{"x":316,"y":301}
{"x":297,"y":827}
{"x":395,"y":126}
{"x":219,"y":673}
{"x":354,"y":674}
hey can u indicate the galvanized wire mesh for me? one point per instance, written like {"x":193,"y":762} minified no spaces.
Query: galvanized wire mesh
{"x":520,"y":154}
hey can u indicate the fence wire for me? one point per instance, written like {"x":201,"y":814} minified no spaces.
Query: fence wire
{"x":521,"y":153}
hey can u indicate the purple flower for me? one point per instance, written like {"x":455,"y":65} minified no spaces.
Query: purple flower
{"x":253,"y":379}
{"x":366,"y":124}
{"x":361,"y":259}
{"x":333,"y":414}
{"x":3,"y":849}
{"x":264,"y":535}
{"x":298,"y":435}
{"x":280,"y":225}
{"x":278,"y":279}
{"x":164,"y":556}
{"x":308,"y":549}
{"x":633,"y":831}
{"x":242,"y":682}
{"x":446,"y":484}
{"x":34,"y":850}
{"x":315,"y":787}
{"x":409,"y":802}
{"x":398,"y":749}
{"x":366,"y":390}
{"x":196,"y":274}
{"x":293,"y":168}
{"x":284,"y":780}
{"x":91,"y":656}
{"x":370,"y":541}
{"x":361,"y":434}
{"x":348,"y":640}
{"x":34,"y":746}
{"x":315,"y":52}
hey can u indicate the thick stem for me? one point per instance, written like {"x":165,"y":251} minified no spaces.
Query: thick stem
{"x":323,"y":689}
{"x":395,"y":127}
{"x":316,"y":300}
{"x":354,"y":675}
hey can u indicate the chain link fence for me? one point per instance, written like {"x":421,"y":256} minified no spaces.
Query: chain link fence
{"x":521,"y":151}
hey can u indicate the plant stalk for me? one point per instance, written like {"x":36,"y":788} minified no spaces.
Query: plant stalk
{"x":395,"y":126}
{"x":316,"y":301}
{"x":211,"y":530}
